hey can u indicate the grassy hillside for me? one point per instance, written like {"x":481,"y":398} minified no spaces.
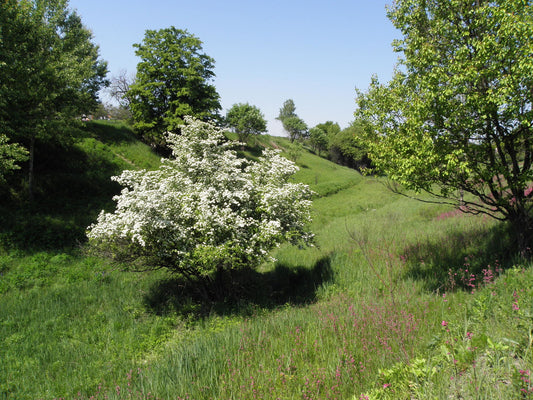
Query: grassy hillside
{"x":72,"y":186}
{"x":399,"y":299}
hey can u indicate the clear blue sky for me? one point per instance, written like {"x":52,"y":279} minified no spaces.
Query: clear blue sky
{"x":265,"y":52}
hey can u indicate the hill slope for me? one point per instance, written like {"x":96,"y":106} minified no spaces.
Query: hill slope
{"x":72,"y":185}
{"x":398,"y":300}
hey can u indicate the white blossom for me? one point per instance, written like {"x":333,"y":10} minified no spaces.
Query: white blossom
{"x":205,"y":204}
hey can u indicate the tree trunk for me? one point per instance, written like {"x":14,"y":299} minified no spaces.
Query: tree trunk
{"x":522,"y":230}
{"x":31,"y":169}
{"x":197,"y":282}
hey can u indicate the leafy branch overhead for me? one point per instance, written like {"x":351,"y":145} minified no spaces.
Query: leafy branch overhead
{"x":10,"y":154}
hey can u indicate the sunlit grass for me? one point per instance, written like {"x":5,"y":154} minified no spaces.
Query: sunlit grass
{"x":359,"y":315}
{"x":118,"y":139}
{"x":68,"y":321}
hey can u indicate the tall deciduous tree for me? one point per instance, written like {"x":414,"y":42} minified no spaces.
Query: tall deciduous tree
{"x":292,"y":123}
{"x":246,"y":120}
{"x":457,"y":115}
{"x":49,"y":71}
{"x":173,"y":80}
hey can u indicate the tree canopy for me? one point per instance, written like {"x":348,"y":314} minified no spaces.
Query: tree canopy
{"x":50,"y":71}
{"x":318,"y":139}
{"x":205,"y":209}
{"x":173,"y":80}
{"x":345,"y":149}
{"x":457,"y":115}
{"x":246,"y":120}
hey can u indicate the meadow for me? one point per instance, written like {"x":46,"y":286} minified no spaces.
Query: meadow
{"x":399,"y":299}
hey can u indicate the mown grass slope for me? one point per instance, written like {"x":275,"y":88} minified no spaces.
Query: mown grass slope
{"x":399,"y":299}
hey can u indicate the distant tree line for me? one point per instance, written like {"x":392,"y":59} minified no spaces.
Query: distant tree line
{"x":340,"y":146}
{"x":174,"y":79}
{"x":326,"y":139}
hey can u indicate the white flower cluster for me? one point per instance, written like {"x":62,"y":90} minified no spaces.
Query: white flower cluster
{"x":205,"y":207}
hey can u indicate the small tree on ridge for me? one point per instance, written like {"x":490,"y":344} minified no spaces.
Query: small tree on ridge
{"x":246,"y":120}
{"x":292,"y":123}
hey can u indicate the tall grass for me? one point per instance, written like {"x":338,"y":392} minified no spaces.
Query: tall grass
{"x":119,"y":139}
{"x":67,"y":321}
{"x":399,"y":299}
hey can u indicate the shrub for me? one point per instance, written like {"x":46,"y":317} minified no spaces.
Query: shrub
{"x":205,"y":209}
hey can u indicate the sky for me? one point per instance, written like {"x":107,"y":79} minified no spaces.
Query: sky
{"x":313,"y":52}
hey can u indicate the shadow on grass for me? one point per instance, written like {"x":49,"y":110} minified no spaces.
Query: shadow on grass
{"x":239,"y":292}
{"x":71,"y":187}
{"x":449,"y":263}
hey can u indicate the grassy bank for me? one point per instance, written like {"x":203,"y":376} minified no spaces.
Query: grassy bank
{"x":399,"y":299}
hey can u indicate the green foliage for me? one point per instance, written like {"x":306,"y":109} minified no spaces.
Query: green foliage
{"x":120,"y":140}
{"x":484,"y":351}
{"x":246,"y":120}
{"x":64,"y":309}
{"x":293,"y":125}
{"x":402,"y":381}
{"x":72,"y":185}
{"x":456,"y":117}
{"x":322,"y":176}
{"x":318,"y":139}
{"x":173,"y":80}
{"x":294,"y":151}
{"x":49,"y":71}
{"x":10,"y":154}
{"x":331,"y":128}
{"x":344,"y":148}
{"x":287,"y":110}
{"x":361,"y":310}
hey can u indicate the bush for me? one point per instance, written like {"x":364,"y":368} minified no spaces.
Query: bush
{"x":205,"y":210}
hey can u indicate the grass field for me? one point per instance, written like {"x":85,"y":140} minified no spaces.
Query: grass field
{"x":398,"y":300}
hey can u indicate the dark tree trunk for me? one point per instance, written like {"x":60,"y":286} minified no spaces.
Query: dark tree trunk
{"x":522,"y":230}
{"x":31,"y":169}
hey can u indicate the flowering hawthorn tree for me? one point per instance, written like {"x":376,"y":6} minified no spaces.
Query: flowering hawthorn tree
{"x":205,"y":209}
